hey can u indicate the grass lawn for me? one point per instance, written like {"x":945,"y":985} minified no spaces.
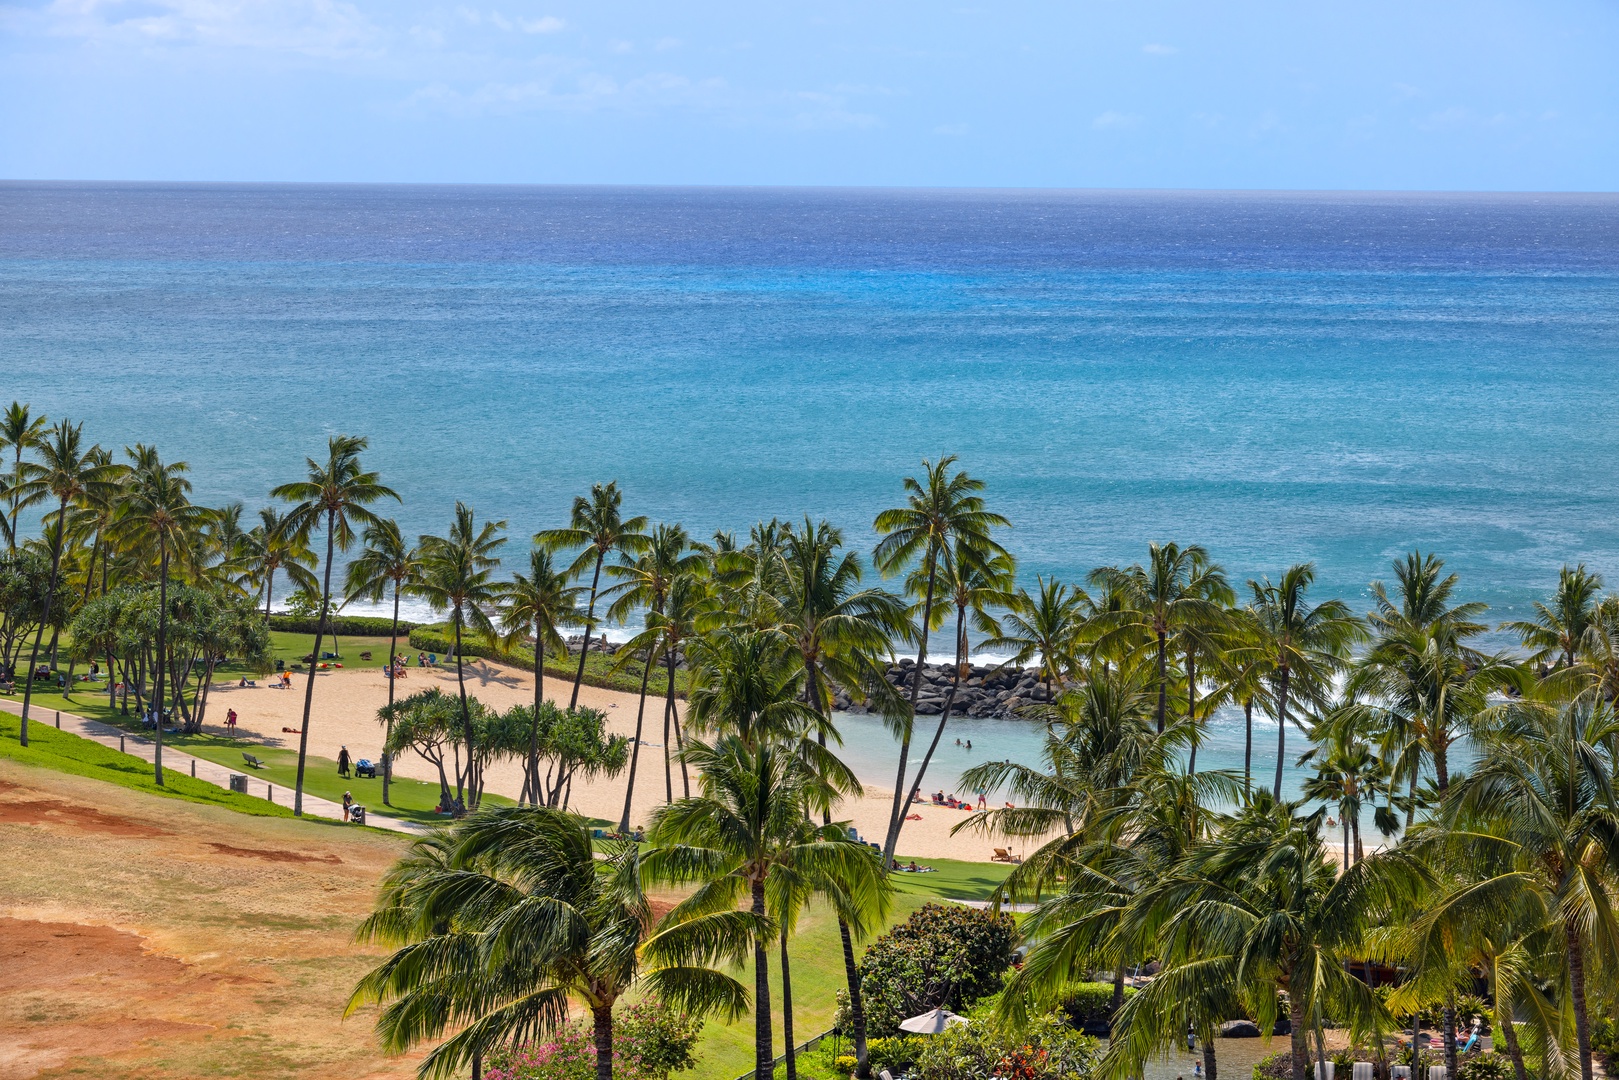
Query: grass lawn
{"x":69,"y":753}
{"x":951,"y":880}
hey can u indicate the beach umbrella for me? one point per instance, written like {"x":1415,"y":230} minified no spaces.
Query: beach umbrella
{"x":931,"y":1023}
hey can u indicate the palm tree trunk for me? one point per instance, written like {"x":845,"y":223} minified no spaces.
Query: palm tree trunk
{"x":896,"y":816}
{"x":1359,"y":851}
{"x":635,"y":747}
{"x":1450,"y":1033}
{"x":1163,"y":678}
{"x":1441,"y":766}
{"x":601,"y":1019}
{"x":162,"y":645}
{"x":1248,"y":746}
{"x":1576,"y":987}
{"x":670,"y":711}
{"x":469,"y":799}
{"x":1281,"y":732}
{"x":857,"y":1008}
{"x":763,"y":1050}
{"x":1118,"y":994}
{"x":531,"y":785}
{"x":787,"y":1009}
{"x":309,"y":687}
{"x":938,"y":732}
{"x":1509,"y":1033}
{"x":388,"y":731}
{"x":1191,"y":708}
{"x":1300,"y":1046}
{"x":668,"y":772}
{"x":477,"y":1065}
{"x":45,"y":617}
{"x":590,"y":622}
{"x":269,"y":590}
{"x":1209,"y":1064}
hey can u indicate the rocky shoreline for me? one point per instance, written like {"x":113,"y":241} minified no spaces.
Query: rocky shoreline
{"x":987,"y":691}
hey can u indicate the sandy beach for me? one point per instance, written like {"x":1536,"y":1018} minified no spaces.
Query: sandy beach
{"x":345,"y":710}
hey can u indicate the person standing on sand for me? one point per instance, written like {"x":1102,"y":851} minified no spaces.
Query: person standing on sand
{"x":343,"y":763}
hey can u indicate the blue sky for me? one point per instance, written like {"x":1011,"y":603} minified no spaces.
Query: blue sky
{"x":1473,"y":95}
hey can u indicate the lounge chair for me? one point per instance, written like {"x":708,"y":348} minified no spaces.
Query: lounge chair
{"x":1002,"y":855}
{"x":252,"y":762}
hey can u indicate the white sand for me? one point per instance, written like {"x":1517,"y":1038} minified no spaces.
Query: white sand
{"x":345,"y":710}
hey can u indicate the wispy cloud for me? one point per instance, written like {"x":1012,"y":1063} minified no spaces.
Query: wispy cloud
{"x":1155,"y":49}
{"x":1115,"y":121}
{"x":311,"y":27}
{"x":951,"y":129}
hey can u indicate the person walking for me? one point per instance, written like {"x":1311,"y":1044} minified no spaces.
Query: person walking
{"x":343,"y":763}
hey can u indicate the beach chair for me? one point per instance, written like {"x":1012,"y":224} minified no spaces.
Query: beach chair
{"x":1002,"y":855}
{"x":252,"y":762}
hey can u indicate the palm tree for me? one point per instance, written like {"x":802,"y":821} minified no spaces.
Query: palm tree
{"x":67,"y":472}
{"x":1558,"y":627}
{"x":598,"y":529}
{"x":941,"y":510}
{"x":1045,"y":625}
{"x":457,"y":573}
{"x":1424,"y":598}
{"x":498,"y":922}
{"x":666,"y":637}
{"x":1544,"y":805}
{"x":745,"y":828}
{"x":21,"y":432}
{"x":536,"y":604}
{"x":271,"y":546}
{"x":387,"y":563}
{"x":335,"y":498}
{"x":1302,"y":646}
{"x":1348,"y":771}
{"x":644,"y":583}
{"x":1178,"y":588}
{"x":157,"y":505}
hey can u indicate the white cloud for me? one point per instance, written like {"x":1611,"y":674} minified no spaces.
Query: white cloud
{"x":1155,"y":49}
{"x":311,"y":27}
{"x":950,"y":129}
{"x":1115,"y":121}
{"x":665,"y":44}
{"x":547,"y":24}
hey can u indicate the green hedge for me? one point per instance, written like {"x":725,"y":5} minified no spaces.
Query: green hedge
{"x":1091,"y":1003}
{"x":598,"y":666}
{"x":342,"y":625}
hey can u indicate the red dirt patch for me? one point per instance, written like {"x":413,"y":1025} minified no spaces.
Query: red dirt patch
{"x":70,"y":815}
{"x":274,"y":854}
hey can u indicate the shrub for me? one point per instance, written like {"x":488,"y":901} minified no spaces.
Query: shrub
{"x":342,"y":625}
{"x":568,"y":1054}
{"x":1090,"y":1003}
{"x":1484,"y":1067}
{"x":1277,"y":1066}
{"x":1604,"y":1039}
{"x":650,"y":1041}
{"x":845,"y":1063}
{"x":943,"y":956}
{"x":1048,"y":1049}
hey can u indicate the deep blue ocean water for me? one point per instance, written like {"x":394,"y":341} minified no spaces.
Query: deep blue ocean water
{"x":1336,"y":377}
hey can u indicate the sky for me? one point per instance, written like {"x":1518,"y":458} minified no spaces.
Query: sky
{"x":1298,"y":94}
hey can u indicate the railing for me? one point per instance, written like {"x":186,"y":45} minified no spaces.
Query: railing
{"x":753,"y":1074}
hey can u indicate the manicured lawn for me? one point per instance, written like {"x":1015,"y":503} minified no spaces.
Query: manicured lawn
{"x":951,"y":880}
{"x":66,"y":752}
{"x":292,"y":648}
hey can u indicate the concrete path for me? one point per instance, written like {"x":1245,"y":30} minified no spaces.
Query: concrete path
{"x":219,"y":775}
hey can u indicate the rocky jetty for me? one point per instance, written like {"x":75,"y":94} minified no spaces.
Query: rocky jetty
{"x":1001,"y":692}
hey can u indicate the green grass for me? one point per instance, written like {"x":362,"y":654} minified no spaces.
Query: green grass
{"x":951,"y":880}
{"x":598,"y":666}
{"x":292,"y":648}
{"x":66,"y":752}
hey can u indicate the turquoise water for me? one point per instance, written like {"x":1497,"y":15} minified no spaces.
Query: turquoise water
{"x":1279,"y":377}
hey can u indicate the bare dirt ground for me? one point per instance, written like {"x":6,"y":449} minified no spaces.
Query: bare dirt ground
{"x":345,"y":714}
{"x":150,"y":938}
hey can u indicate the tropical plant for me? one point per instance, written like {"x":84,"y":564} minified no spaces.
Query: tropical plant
{"x":20,"y":432}
{"x":335,"y":497}
{"x":537,"y":604}
{"x":1044,"y":625}
{"x":944,"y":956}
{"x":387,"y":564}
{"x":1558,"y":627}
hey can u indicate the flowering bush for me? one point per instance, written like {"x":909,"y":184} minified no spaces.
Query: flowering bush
{"x":1047,"y":1050}
{"x":569,"y":1054}
{"x":650,"y":1041}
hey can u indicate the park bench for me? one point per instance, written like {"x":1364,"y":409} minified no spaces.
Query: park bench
{"x":252,"y":761}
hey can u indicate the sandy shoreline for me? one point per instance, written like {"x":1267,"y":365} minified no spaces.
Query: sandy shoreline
{"x":345,"y":709}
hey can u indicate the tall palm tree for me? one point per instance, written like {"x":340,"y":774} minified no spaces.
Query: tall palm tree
{"x":1349,"y":774}
{"x":1302,"y":645}
{"x":271,"y":546}
{"x":665,"y":639}
{"x":67,"y":472}
{"x":334,"y":497}
{"x":745,"y":828}
{"x":537,"y":604}
{"x":1044,"y":625}
{"x":1544,"y":804}
{"x":941,"y":510}
{"x":457,"y":576}
{"x":1559,"y":626}
{"x":387,"y":563}
{"x":598,"y":529}
{"x":498,"y":922}
{"x":1177,"y":588}
{"x":20,"y":431}
{"x":643,"y":584}
{"x":1423,"y":598}
{"x":157,"y":505}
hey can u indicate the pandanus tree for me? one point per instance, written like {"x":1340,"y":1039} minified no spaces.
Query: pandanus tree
{"x":387,"y":564}
{"x":644,"y":583}
{"x":66,"y":473}
{"x":537,"y":604}
{"x":598,"y":528}
{"x":335,"y":497}
{"x":157,"y":507}
{"x":1177,"y":589}
{"x":499,"y":922}
{"x":942,"y":509}
{"x":457,"y":576}
{"x":20,"y":432}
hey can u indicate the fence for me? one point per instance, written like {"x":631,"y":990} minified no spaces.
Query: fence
{"x":753,"y":1074}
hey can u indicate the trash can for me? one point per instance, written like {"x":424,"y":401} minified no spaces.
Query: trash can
{"x":238,"y":783}
{"x":357,"y":814}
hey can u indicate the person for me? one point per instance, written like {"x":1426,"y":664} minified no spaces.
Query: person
{"x":1197,"y":1070}
{"x":913,"y":868}
{"x":969,"y":744}
{"x":958,"y":740}
{"x":230,"y":721}
{"x":343,"y":762}
{"x":1191,"y":1039}
{"x":983,"y":803}
{"x":348,"y":804}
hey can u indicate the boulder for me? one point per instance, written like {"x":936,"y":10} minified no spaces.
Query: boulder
{"x":1239,"y":1029}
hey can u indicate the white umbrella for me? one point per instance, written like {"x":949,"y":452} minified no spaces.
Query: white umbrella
{"x":931,"y":1023}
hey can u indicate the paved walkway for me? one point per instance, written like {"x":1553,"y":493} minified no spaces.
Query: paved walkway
{"x":219,"y":775}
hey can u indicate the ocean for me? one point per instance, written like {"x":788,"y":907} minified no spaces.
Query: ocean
{"x":1334,"y":377}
